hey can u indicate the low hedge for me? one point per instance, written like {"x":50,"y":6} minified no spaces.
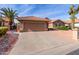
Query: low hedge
{"x":62,"y":27}
{"x":3,"y":30}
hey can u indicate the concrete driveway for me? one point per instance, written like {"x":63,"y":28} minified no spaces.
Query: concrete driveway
{"x":45,"y":43}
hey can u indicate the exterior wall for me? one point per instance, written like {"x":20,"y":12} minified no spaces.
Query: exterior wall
{"x":58,"y":23}
{"x":50,"y":25}
{"x":68,"y":25}
{"x":34,"y":25}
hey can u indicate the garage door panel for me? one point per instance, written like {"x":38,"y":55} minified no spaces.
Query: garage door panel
{"x":35,"y":26}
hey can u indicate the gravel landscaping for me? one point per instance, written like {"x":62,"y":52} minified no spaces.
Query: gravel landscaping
{"x":7,"y":42}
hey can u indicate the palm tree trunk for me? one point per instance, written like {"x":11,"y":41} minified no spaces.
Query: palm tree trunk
{"x":11,"y":25}
{"x":72,"y":24}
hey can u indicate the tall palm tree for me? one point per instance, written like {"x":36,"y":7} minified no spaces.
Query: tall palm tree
{"x":1,"y":21}
{"x":72,"y":12}
{"x":9,"y":13}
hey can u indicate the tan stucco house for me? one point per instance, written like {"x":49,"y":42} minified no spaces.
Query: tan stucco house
{"x":32,"y":23}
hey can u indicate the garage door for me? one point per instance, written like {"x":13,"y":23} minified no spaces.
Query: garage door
{"x":36,"y":26}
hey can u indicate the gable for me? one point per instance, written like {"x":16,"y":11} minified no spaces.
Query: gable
{"x":58,"y":21}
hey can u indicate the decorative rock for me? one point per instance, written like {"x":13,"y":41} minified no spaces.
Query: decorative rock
{"x":7,"y":42}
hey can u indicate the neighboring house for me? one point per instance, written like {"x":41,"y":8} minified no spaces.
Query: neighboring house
{"x":58,"y":22}
{"x":32,"y":23}
{"x":69,"y":22}
{"x":6,"y":21}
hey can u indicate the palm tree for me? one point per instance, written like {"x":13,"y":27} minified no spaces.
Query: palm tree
{"x":1,"y":21}
{"x":72,"y":12}
{"x":10,"y":14}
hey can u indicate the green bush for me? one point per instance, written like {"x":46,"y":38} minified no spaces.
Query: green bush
{"x":62,"y":27}
{"x":3,"y":30}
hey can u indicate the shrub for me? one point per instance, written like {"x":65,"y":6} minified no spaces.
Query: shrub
{"x":3,"y":30}
{"x":62,"y":27}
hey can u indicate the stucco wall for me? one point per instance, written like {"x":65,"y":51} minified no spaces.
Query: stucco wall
{"x":34,"y":25}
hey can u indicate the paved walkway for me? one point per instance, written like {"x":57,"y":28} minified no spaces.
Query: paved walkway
{"x":48,"y":42}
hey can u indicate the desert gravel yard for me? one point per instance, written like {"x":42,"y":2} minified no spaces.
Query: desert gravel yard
{"x":45,"y":43}
{"x":7,"y":42}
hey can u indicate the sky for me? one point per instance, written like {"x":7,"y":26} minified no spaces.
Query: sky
{"x":52,"y":11}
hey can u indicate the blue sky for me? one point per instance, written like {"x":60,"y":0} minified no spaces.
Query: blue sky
{"x":52,"y":11}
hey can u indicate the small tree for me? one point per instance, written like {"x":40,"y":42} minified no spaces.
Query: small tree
{"x":72,"y":12}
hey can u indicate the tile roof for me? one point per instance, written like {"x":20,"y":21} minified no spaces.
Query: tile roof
{"x":66,"y":21}
{"x":58,"y":19}
{"x":32,"y":18}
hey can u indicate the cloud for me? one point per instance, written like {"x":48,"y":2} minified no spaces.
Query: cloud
{"x":47,"y":14}
{"x":45,"y":11}
{"x":63,"y":17}
{"x":8,"y":6}
{"x":25,"y":9}
{"x":40,"y":10}
{"x":25,"y":12}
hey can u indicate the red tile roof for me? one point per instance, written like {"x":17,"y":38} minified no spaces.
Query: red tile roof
{"x":32,"y":18}
{"x":43,"y":19}
{"x":66,"y":21}
{"x":56,"y":20}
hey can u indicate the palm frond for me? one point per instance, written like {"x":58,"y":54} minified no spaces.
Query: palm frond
{"x":8,"y":12}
